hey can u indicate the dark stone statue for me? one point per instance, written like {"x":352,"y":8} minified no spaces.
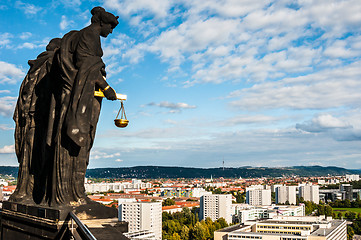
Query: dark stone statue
{"x":56,"y":115}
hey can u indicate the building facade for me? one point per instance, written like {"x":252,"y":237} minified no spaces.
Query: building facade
{"x":352,"y":177}
{"x":117,"y":187}
{"x":309,"y":193}
{"x":258,"y":197}
{"x":346,"y":190}
{"x":141,"y":216}
{"x":286,"y":194}
{"x":243,"y":213}
{"x":288,"y":228}
{"x":216,"y":206}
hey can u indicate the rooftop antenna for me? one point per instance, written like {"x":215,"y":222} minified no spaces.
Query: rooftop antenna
{"x":223,"y":163}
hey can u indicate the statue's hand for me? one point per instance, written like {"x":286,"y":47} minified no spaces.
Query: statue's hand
{"x":110,"y":94}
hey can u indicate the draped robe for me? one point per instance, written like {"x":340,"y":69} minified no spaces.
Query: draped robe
{"x":53,"y":150}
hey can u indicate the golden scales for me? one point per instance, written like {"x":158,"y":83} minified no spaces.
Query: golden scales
{"x":121,"y":122}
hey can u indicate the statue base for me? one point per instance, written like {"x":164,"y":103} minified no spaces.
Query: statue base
{"x":16,"y":225}
{"x":21,"y":221}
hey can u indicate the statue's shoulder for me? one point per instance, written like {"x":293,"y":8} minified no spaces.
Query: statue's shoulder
{"x":71,"y":34}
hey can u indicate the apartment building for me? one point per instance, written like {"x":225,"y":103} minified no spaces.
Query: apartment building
{"x":216,"y":206}
{"x":184,"y":192}
{"x":352,"y":177}
{"x":141,"y":216}
{"x":309,"y":193}
{"x":117,"y":186}
{"x":258,"y":197}
{"x":286,"y":194}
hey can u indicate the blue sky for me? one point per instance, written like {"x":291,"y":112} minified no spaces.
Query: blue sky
{"x":253,"y":83}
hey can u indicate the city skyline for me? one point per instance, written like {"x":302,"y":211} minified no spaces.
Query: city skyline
{"x":251,"y":83}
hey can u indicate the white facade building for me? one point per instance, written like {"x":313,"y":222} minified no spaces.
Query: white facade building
{"x":3,"y":182}
{"x":182,"y":192}
{"x":117,"y":187}
{"x":352,"y":177}
{"x":309,"y":193}
{"x":216,"y":206}
{"x":287,"y":228}
{"x":245,"y":212}
{"x":258,"y":197}
{"x":141,"y":216}
{"x":286,"y":193}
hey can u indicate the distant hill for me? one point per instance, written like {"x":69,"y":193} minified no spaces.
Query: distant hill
{"x":7,"y":170}
{"x":244,"y":172}
{"x":183,"y":172}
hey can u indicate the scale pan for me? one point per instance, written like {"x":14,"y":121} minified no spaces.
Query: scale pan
{"x":121,"y":123}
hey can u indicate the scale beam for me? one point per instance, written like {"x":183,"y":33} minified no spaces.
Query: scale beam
{"x":119,"y":96}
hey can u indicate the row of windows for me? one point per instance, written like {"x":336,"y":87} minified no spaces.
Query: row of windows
{"x":245,"y":237}
{"x":290,"y":238}
{"x":286,"y":232}
{"x":283,"y":227}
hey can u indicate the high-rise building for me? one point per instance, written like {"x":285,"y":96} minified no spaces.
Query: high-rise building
{"x":286,"y":194}
{"x":346,"y":190}
{"x":258,"y":197}
{"x":141,"y":216}
{"x":309,"y":193}
{"x":216,"y":206}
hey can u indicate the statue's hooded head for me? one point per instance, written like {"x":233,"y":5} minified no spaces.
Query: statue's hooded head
{"x":106,"y":20}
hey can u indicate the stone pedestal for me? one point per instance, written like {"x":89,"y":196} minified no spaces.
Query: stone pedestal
{"x":25,"y":222}
{"x":28,"y":222}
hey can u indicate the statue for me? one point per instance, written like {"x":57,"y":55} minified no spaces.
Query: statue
{"x":57,"y":113}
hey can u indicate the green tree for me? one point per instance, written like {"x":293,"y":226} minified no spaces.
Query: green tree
{"x":175,"y":236}
{"x":168,"y":202}
{"x":217,"y":191}
{"x":347,"y":203}
{"x":328,"y":210}
{"x":166,"y":216}
{"x":350,"y":215}
{"x":184,"y":234}
{"x":199,"y":232}
{"x":222,"y":222}
{"x":211,"y":227}
{"x":350,"y":233}
{"x":321,"y":209}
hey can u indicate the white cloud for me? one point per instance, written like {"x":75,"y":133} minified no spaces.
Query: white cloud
{"x":5,"y":127}
{"x":9,"y":73}
{"x":25,"y":35}
{"x":119,"y":160}
{"x":65,"y":23}
{"x":176,"y":132}
{"x":103,"y":155}
{"x":7,"y":106}
{"x":321,"y":90}
{"x":254,"y":41}
{"x":71,"y":3}
{"x":174,"y":107}
{"x":28,"y":45}
{"x":250,"y":119}
{"x":321,"y":123}
{"x":27,"y":7}
{"x":7,"y":149}
{"x":142,"y":8}
{"x":5,"y":39}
